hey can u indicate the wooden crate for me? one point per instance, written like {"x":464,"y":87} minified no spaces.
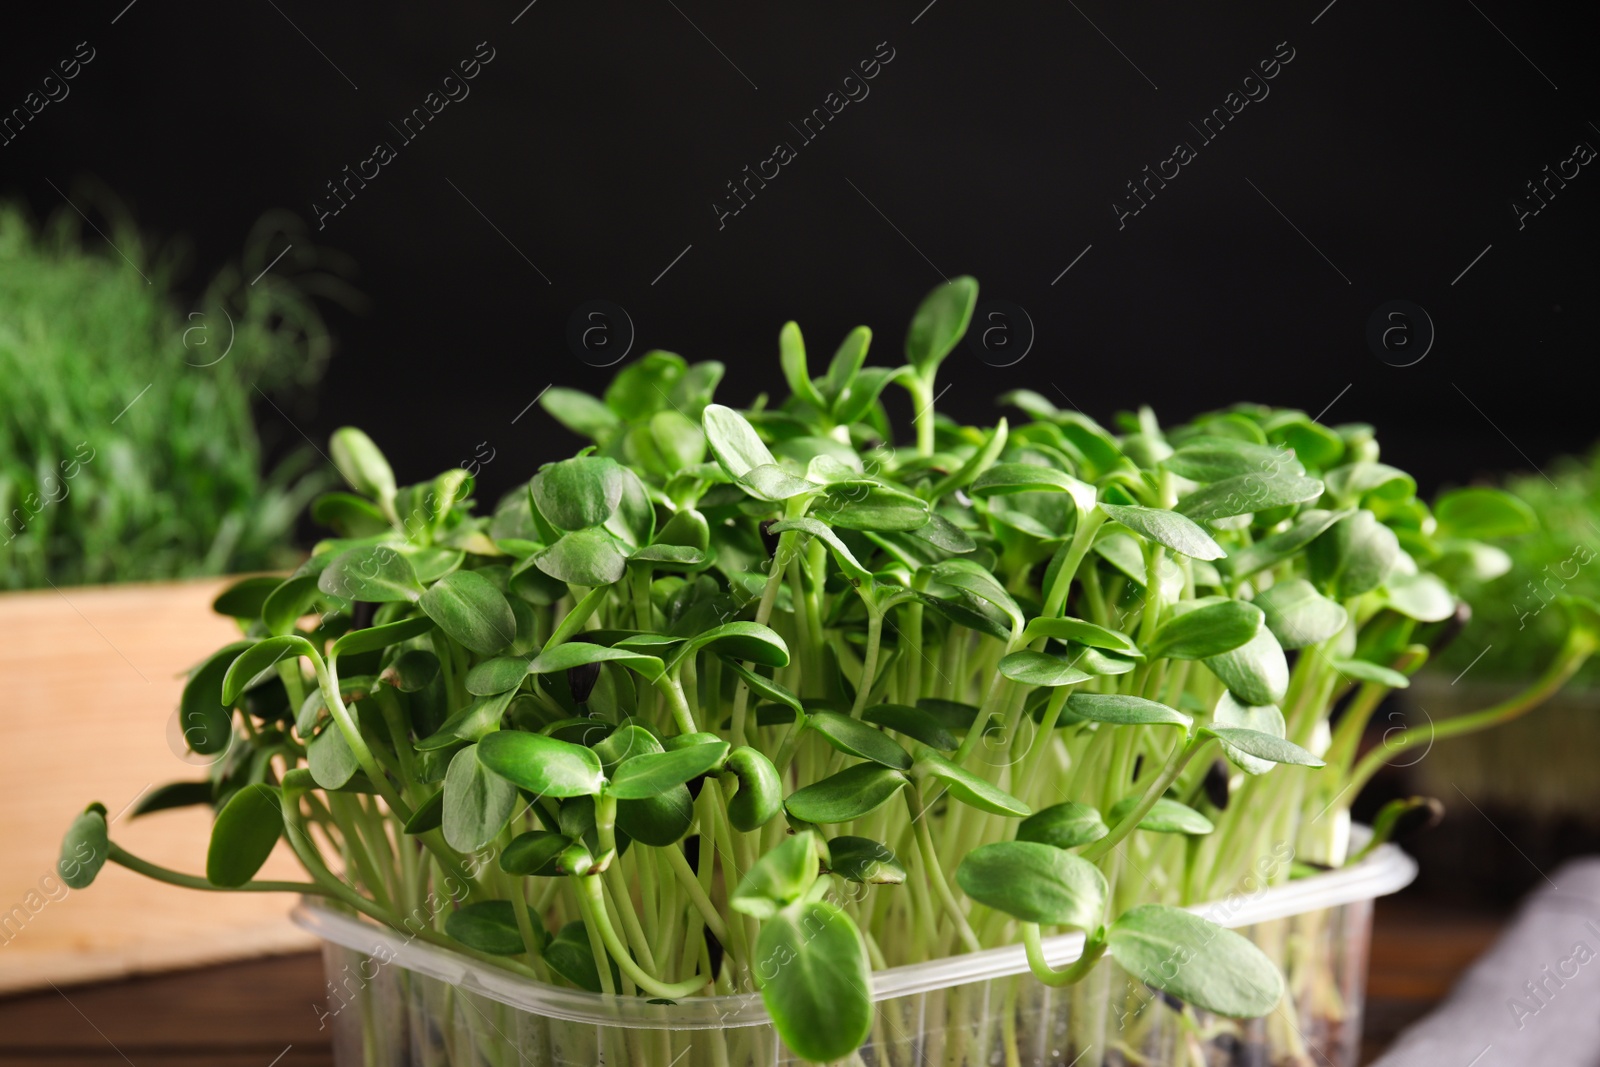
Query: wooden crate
{"x":90,"y":679}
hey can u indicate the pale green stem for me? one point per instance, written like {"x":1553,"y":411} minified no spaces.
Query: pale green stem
{"x":1347,"y":735}
{"x":697,"y":894}
{"x":1040,"y":748}
{"x":122,"y":857}
{"x":869,"y":661}
{"x":1574,"y":652}
{"x":1093,"y":949}
{"x":1082,"y":539}
{"x":591,"y":926}
{"x":593,"y":903}
{"x":994,"y":699}
{"x":605,"y":823}
{"x":921,"y":390}
{"x":934,"y":869}
{"x":328,"y":679}
{"x":641,"y":596}
{"x":578,"y":616}
{"x":1096,"y":851}
{"x":677,"y":703}
{"x":911,"y":636}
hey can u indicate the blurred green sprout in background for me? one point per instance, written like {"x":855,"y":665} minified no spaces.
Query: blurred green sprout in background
{"x":1515,"y":626}
{"x":128,"y":450}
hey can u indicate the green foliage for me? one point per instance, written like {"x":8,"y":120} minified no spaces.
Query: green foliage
{"x":128,"y":450}
{"x":84,"y":848}
{"x":488,"y":926}
{"x":987,"y":682}
{"x":246,"y":830}
{"x":1553,"y":550}
{"x":817,"y":989}
{"x":1035,"y":882}
{"x":1182,"y":954}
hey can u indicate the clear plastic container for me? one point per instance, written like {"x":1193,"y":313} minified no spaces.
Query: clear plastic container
{"x":394,"y":1002}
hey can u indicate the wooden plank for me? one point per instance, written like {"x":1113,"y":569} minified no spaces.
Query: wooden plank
{"x":257,"y":1008}
{"x":92,"y":678}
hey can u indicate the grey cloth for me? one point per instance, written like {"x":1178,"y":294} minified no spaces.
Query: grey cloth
{"x":1534,"y":998}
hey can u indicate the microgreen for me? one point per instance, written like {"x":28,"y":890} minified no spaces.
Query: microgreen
{"x":832,"y":703}
{"x":128,"y":451}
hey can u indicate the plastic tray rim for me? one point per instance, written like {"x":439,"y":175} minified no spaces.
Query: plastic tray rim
{"x":1386,"y":870}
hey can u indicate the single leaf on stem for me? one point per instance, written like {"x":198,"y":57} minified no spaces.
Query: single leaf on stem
{"x":1170,"y":528}
{"x":971,"y":789}
{"x":1262,"y":746}
{"x":84,"y":848}
{"x":650,"y":774}
{"x":1065,"y":825}
{"x":1196,"y":961}
{"x":468,"y":607}
{"x":1165,"y":816}
{"x":376,"y":574}
{"x":488,"y":926}
{"x":939,"y":324}
{"x":246,"y":830}
{"x":1036,"y":883}
{"x":792,"y":357}
{"x":734,"y":441}
{"x":861,"y":859}
{"x":781,"y":877}
{"x":855,"y":738}
{"x":1118,"y":709}
{"x":845,"y":796}
{"x":820,"y":998}
{"x":477,"y":802}
{"x":1081,"y":632}
{"x":542,"y":764}
{"x":1298,"y":615}
{"x":361,"y":463}
{"x":1206,"y":631}
{"x":576,"y":494}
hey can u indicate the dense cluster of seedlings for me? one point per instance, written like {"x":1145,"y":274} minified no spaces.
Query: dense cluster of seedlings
{"x":765,"y":700}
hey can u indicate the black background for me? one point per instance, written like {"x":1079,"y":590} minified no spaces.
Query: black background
{"x":994,"y":143}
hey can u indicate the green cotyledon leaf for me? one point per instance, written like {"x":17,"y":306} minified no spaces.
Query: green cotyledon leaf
{"x":780,"y":878}
{"x":1036,"y":883}
{"x":541,"y":764}
{"x":1195,"y":960}
{"x":845,"y":796}
{"x":1065,"y":825}
{"x":469,"y":608}
{"x":1207,"y":631}
{"x":1176,"y":531}
{"x":818,"y":988}
{"x":246,"y":830}
{"x":477,"y":802}
{"x":377,"y":574}
{"x":84,"y":848}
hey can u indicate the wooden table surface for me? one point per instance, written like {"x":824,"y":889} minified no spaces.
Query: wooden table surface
{"x":104,"y":667}
{"x":262,"y":1013}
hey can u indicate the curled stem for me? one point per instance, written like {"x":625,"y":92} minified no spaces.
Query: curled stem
{"x":1093,"y":949}
{"x":593,"y":904}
